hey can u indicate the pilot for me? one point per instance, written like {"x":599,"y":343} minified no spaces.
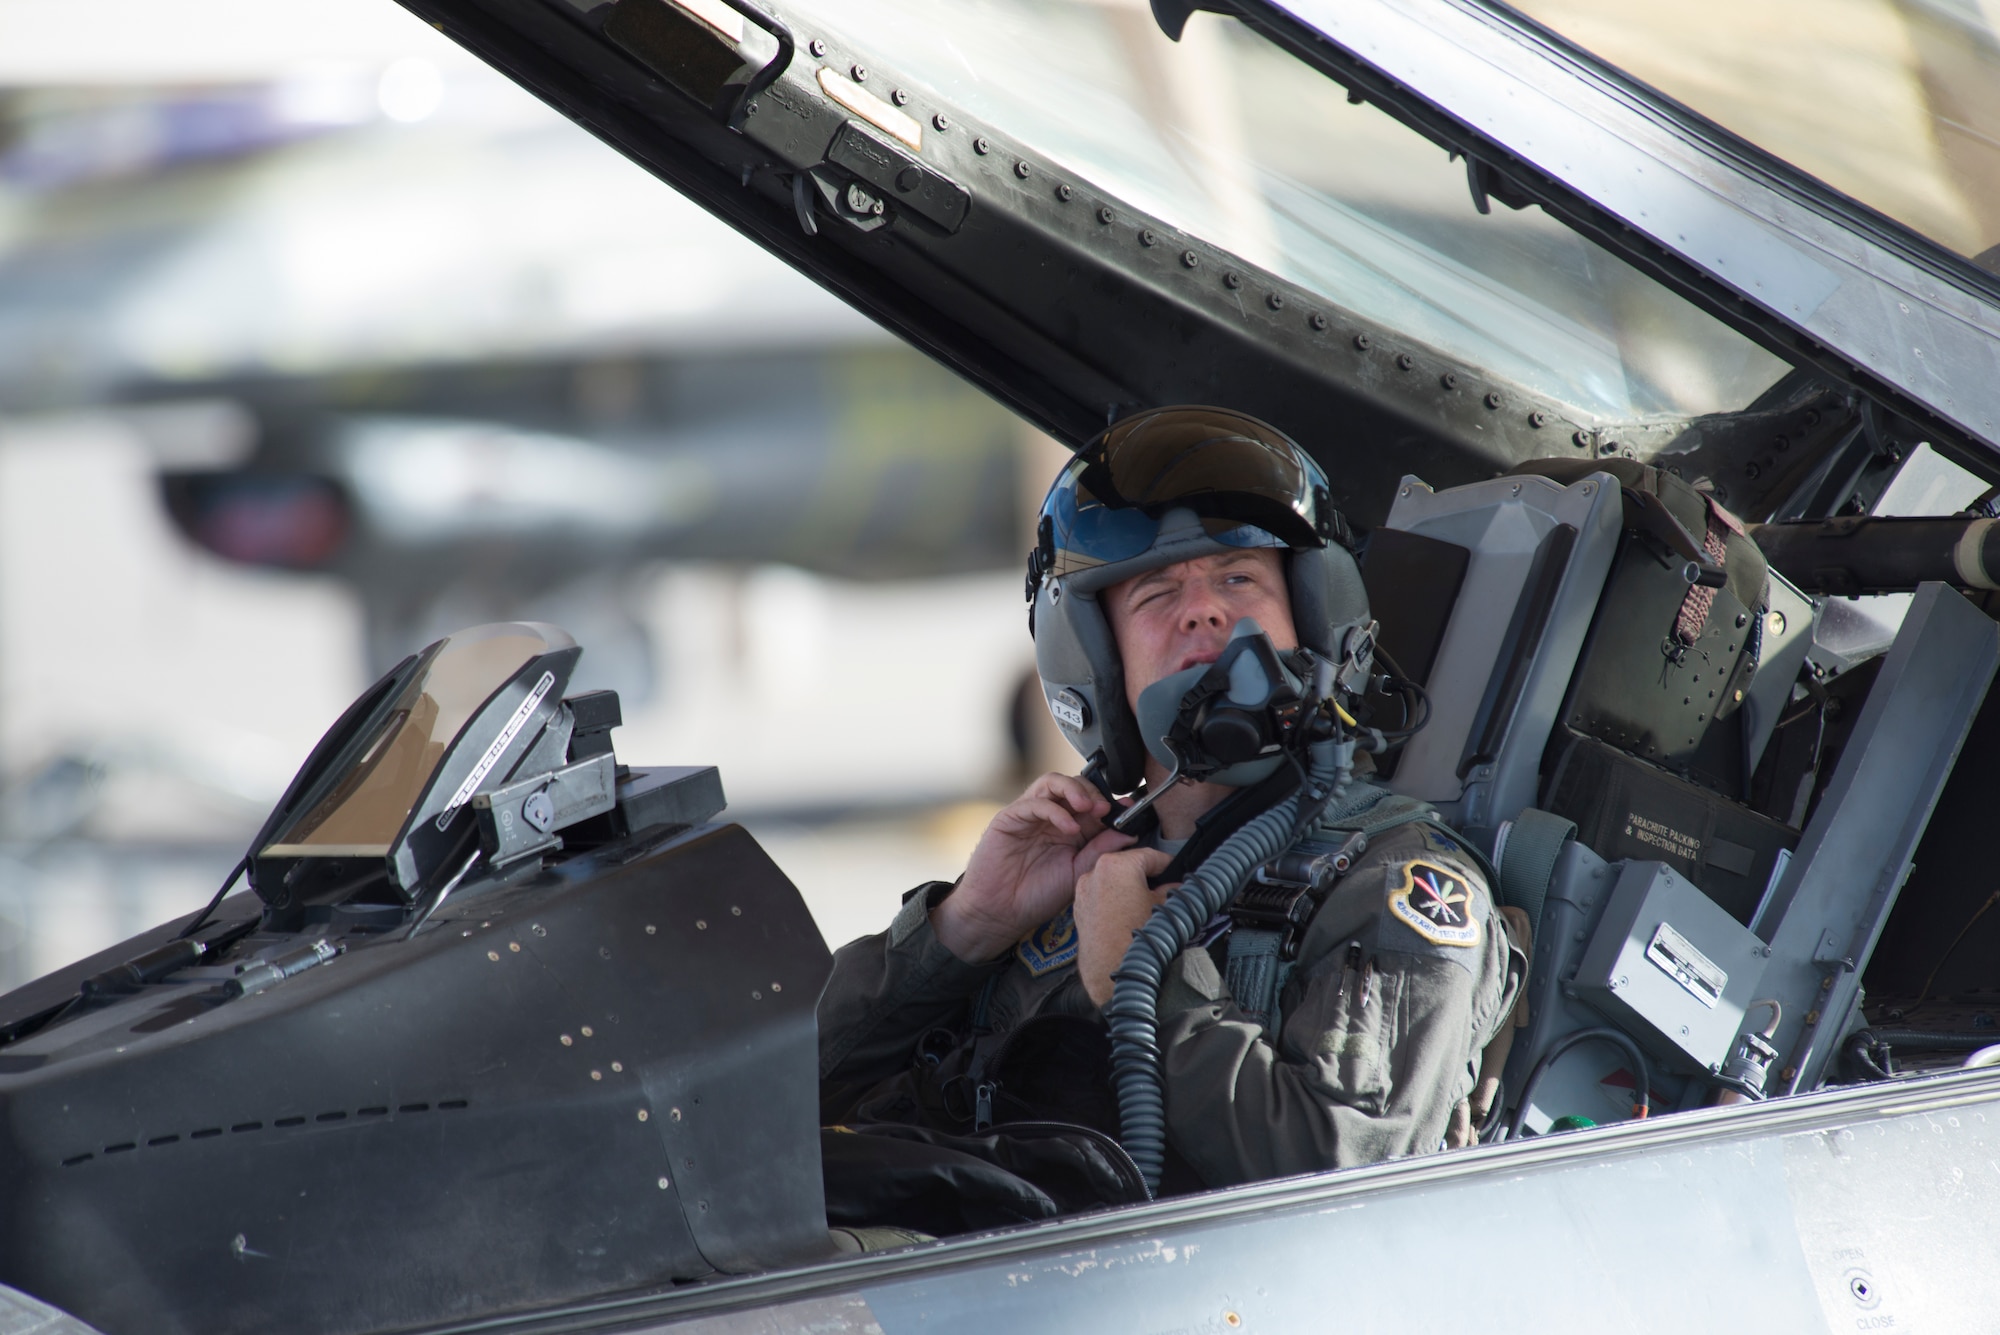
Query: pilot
{"x":953,"y":1042}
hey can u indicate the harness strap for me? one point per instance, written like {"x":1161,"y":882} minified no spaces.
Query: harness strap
{"x":1257,"y":968}
{"x":1535,"y":840}
{"x":1255,"y":974}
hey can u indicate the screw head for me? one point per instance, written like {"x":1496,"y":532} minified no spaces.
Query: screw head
{"x":1493,"y":398}
{"x":1449,"y":380}
{"x":1276,"y":301}
{"x":1538,"y":419}
{"x":1404,"y":361}
{"x":1751,"y":470}
{"x":1363,"y":342}
{"x":1023,"y":170}
{"x":1148,"y":237}
{"x":981,"y":147}
{"x":1104,"y":215}
{"x":859,"y":73}
{"x":1318,"y":321}
{"x":1232,"y":280}
{"x":817,"y":46}
{"x":1065,"y":191}
{"x":1582,"y":439}
{"x":900,"y":96}
{"x":941,"y":121}
{"x":1190,"y":259}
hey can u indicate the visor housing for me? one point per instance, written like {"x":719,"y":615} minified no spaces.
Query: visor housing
{"x":1247,"y":482}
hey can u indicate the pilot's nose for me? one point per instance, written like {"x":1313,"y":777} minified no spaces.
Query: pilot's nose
{"x":1202,"y":609}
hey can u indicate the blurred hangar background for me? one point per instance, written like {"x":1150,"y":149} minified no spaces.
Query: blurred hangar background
{"x":318,"y":339}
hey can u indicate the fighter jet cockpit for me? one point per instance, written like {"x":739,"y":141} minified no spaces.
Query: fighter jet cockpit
{"x":476,"y":951}
{"x":495,"y":1027}
{"x":492,"y":990}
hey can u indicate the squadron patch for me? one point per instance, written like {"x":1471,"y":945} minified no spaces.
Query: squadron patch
{"x":1051,"y":945}
{"x":1435,"y":904}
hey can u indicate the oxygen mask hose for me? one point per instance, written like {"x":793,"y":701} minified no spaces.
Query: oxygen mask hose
{"x":1133,"y":1014}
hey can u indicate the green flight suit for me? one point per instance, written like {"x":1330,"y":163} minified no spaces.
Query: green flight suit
{"x":1404,"y":975}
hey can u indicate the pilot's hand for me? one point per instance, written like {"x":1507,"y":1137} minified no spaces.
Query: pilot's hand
{"x":1113,"y":901}
{"x":1026,"y":867}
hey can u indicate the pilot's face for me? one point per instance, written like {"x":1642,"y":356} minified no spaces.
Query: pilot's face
{"x":1172,"y":618}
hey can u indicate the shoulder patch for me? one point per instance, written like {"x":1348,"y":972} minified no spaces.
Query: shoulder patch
{"x":1433,"y":902}
{"x":1051,"y":945}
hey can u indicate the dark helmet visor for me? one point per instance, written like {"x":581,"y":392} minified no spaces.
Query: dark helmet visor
{"x":1248,"y":482}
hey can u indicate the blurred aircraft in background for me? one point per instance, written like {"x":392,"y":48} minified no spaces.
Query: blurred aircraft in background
{"x":307,"y":358}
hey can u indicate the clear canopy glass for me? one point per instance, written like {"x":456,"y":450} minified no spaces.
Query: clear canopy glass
{"x":1895,"y":102}
{"x":1228,"y":138}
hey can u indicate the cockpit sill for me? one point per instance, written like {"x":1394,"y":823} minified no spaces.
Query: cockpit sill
{"x":1950,"y":1106}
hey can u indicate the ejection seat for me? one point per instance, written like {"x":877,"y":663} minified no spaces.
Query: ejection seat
{"x":1605,"y":656}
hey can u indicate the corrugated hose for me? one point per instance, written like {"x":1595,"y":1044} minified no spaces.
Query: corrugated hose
{"x":1133,"y":1015}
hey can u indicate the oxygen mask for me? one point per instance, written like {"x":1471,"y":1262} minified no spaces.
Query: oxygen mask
{"x":1237,"y":720}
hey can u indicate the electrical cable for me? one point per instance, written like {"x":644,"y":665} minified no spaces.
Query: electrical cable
{"x":1642,"y":1104}
{"x":1405,"y":686}
{"x":1872,"y":1051}
{"x":1931,"y":977}
{"x":1770,"y":1028}
{"x":1408,"y":730}
{"x":1860,"y":1050}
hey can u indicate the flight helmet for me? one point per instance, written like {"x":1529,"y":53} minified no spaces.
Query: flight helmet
{"x":1159,"y":487}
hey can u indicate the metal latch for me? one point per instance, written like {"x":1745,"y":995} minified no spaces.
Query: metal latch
{"x":523,"y":817}
{"x":1282,"y":895}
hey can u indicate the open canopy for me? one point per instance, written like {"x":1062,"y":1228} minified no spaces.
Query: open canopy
{"x":1421,"y":235}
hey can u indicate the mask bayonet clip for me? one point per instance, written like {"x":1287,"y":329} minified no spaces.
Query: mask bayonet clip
{"x":1131,"y":813}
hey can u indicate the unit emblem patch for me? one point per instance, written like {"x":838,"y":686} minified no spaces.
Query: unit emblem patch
{"x":1051,"y":945}
{"x":1435,"y":904}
